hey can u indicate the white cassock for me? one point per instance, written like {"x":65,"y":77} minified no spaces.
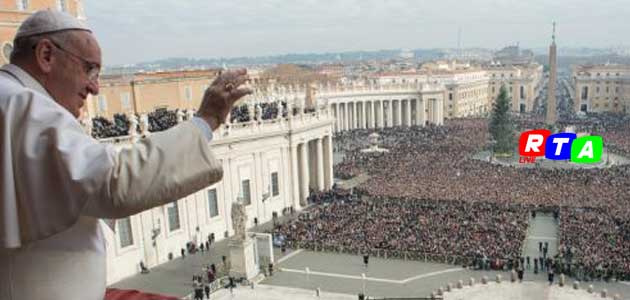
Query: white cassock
{"x":58,"y":181}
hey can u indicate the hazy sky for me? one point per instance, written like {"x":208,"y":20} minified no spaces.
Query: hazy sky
{"x":141,"y":30}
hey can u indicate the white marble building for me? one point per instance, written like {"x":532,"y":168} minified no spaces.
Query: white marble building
{"x":385,"y":106}
{"x":276,"y":159}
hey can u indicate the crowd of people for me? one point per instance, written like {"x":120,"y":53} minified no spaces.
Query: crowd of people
{"x":162,"y":119}
{"x":445,"y":231}
{"x":595,"y":242}
{"x":436,"y":163}
{"x":262,"y":111}
{"x":104,"y":128}
{"x":470,"y":208}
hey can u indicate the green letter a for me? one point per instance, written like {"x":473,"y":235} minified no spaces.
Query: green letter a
{"x":587,"y":149}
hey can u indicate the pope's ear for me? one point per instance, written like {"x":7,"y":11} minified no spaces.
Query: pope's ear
{"x":44,"y":57}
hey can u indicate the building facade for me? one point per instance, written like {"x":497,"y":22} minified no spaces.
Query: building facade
{"x":463,"y":89}
{"x":522,"y":82}
{"x":145,"y":92}
{"x":270,"y":165}
{"x":601,"y":88}
{"x":13,"y":12}
{"x":371,"y":107}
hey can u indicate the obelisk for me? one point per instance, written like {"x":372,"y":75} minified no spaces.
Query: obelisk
{"x":551,"y":88}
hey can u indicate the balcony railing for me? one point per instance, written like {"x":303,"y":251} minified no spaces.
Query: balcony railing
{"x":251,"y":128}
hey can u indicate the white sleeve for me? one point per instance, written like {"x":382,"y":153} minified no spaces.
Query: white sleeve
{"x":54,"y":172}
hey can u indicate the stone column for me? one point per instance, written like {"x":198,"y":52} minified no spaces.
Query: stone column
{"x":295,"y":176}
{"x":390,"y":114}
{"x":347,"y":116}
{"x":370,"y":118}
{"x":374,"y":114}
{"x":364,"y":112}
{"x":440,"y":108}
{"x":353,"y":112}
{"x":399,"y":113}
{"x":320,"y":164}
{"x":336,"y":114}
{"x":304,"y":172}
{"x":408,"y":117}
{"x":381,"y":115}
{"x":359,"y":115}
{"x":368,"y":114}
{"x":420,"y":111}
{"x":434,"y":109}
{"x":340,"y":116}
{"x":328,"y":161}
{"x":403,"y":111}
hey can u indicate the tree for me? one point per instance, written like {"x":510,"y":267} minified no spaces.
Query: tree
{"x":501,"y":127}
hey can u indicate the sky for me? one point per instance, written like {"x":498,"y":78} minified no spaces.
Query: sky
{"x":132,"y":31}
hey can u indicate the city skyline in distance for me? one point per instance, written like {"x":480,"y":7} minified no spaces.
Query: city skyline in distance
{"x":244,"y":28}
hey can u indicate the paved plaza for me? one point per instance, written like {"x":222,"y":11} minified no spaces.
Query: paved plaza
{"x":340,"y":275}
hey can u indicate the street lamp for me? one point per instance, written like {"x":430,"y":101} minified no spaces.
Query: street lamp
{"x":308,"y":273}
{"x":363,"y":279}
{"x":155,"y":232}
{"x":492,"y":143}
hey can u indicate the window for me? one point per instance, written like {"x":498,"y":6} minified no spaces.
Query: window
{"x":212,"y":203}
{"x":522,"y":92}
{"x":61,"y":5}
{"x":246,"y":192}
{"x":188,"y":93}
{"x":6,"y":51}
{"x":173,"y":217}
{"x":275,"y":188}
{"x":102,"y":103}
{"x":22,"y":4}
{"x":450,"y":96}
{"x":584,"y":93}
{"x":124,"y":232}
{"x":124,"y":101}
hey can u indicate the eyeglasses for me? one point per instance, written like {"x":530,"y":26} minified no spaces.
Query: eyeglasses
{"x":92,"y":69}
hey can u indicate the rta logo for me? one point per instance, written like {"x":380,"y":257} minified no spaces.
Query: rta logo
{"x":559,"y":146}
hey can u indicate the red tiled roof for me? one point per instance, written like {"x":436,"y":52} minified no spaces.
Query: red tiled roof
{"x":116,"y":294}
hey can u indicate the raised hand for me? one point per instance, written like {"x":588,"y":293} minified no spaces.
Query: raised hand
{"x":220,"y":97}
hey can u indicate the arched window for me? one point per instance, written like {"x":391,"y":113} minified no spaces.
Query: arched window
{"x":61,"y":5}
{"x":7,"y":48}
{"x":22,"y":4}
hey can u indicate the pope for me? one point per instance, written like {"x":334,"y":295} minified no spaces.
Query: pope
{"x":58,"y":181}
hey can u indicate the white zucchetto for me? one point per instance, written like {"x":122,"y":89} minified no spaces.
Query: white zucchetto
{"x":48,"y":21}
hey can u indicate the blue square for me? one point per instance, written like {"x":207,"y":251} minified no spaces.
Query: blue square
{"x":561,"y":140}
